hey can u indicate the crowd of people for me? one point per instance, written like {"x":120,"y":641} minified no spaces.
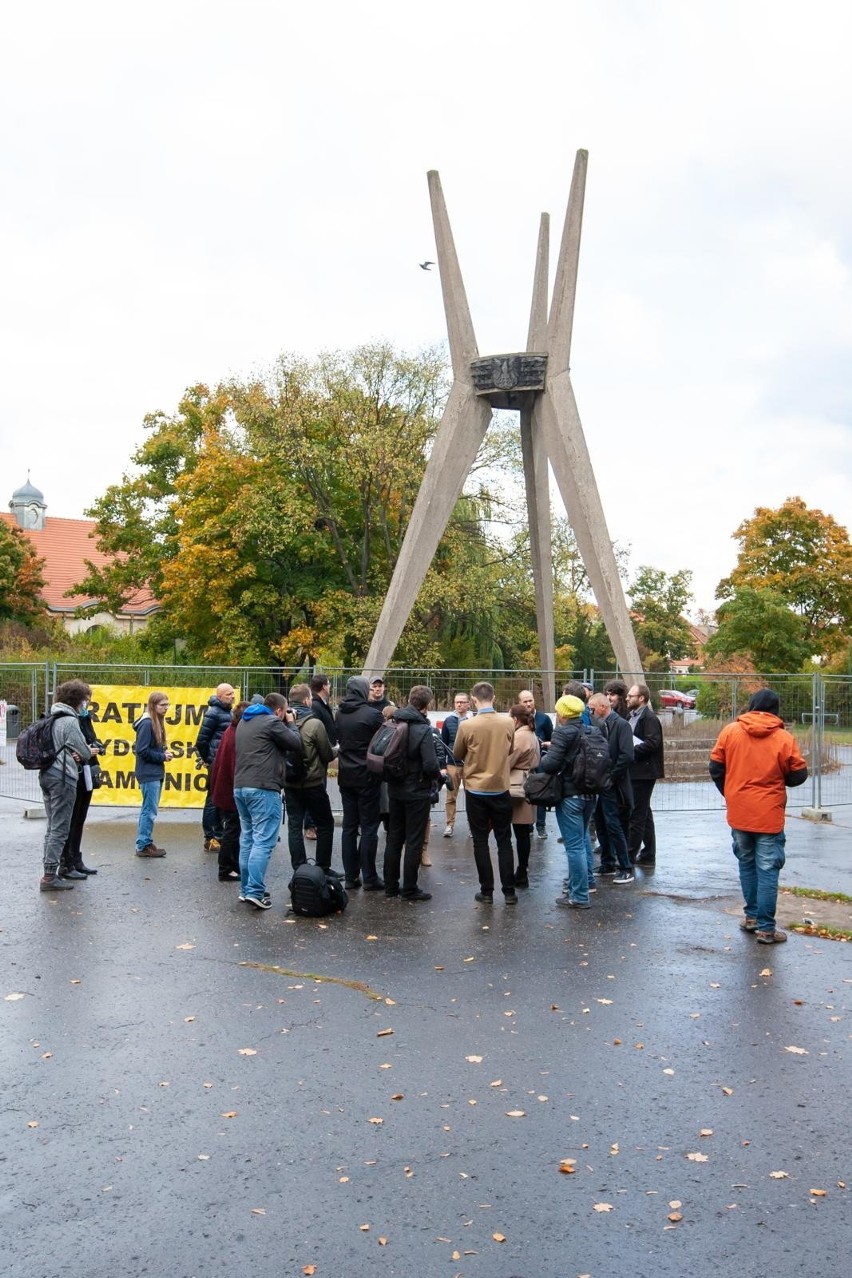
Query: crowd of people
{"x":268,"y":760}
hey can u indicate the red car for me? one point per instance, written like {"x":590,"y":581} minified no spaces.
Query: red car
{"x":673,"y":699}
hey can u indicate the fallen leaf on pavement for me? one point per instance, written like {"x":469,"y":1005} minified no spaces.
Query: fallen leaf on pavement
{"x":817,"y":1193}
{"x":363,"y":1228}
{"x":698,"y":1158}
{"x":33,"y":1124}
{"x":310,"y":1270}
{"x":13,"y":998}
{"x":675,"y":1203}
{"x":603,"y":1206}
{"x":797,"y":1051}
{"x":516,"y":1113}
{"x":499,"y":1237}
{"x":668,"y":1071}
{"x":779,"y":1175}
{"x":728,"y":1091}
{"x":377,"y":1122}
{"x":706,"y":1131}
{"x":398,"y":1096}
{"x":472,"y":959}
{"x":568,"y":1166}
{"x":186,"y":946}
{"x":247,"y":1051}
{"x":498,"y":1082}
{"x":675,"y":1216}
{"x":384,"y":1033}
{"x":231,"y":1113}
{"x":383,"y":1242}
{"x":607,"y":1002}
{"x":474,"y":1060}
{"x":204,"y":1158}
{"x":766,"y":971}
{"x":258,"y":1211}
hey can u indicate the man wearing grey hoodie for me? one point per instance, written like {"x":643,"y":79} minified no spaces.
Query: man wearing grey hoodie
{"x":59,"y":781}
{"x":357,"y":721}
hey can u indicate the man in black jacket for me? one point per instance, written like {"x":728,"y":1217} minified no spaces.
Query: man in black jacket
{"x":646,"y":768}
{"x":357,"y":722}
{"x":264,"y":736}
{"x":320,"y":688}
{"x":615,"y":804}
{"x":410,"y":798}
{"x":216,"y":719}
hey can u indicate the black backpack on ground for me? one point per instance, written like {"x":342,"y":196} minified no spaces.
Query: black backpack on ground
{"x":591,"y":770}
{"x":314,"y":892}
{"x":35,"y":749}
{"x":387,"y":753}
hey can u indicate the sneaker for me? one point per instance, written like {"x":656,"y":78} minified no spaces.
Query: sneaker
{"x":771,"y":938}
{"x":378,"y":885}
{"x":522,"y":879}
{"x":243,"y":897}
{"x":605,"y":873}
{"x":511,"y":897}
{"x":567,"y":903}
{"x":390,"y":890}
{"x":748,"y":925}
{"x":593,"y":887}
{"x":541,"y":831}
{"x":230,"y":877}
{"x":486,"y":898}
{"x":417,"y":895}
{"x":448,"y":832}
{"x":151,"y":850}
{"x":53,"y":883}
{"x":264,"y":903}
{"x":623,"y":876}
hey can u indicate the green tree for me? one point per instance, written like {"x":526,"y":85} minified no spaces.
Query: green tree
{"x":805,"y":557}
{"x":658,"y":601}
{"x":267,"y":516}
{"x":21,"y":578}
{"x":759,"y":624}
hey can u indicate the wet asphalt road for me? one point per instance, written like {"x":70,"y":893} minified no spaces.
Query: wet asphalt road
{"x":182,"y":1097}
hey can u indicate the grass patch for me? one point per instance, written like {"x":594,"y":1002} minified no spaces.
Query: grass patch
{"x":814,"y":894}
{"x":823,"y":930}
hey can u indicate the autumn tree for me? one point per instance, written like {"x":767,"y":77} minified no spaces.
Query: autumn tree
{"x":760,"y":625}
{"x":805,"y":557}
{"x":658,"y":602}
{"x":21,"y":578}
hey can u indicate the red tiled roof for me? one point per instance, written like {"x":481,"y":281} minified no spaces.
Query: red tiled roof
{"x":64,"y":544}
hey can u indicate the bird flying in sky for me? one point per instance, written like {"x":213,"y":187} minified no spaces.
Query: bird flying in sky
{"x":424,"y":266}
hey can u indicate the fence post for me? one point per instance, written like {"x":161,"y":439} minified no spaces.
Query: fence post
{"x":816,"y":812}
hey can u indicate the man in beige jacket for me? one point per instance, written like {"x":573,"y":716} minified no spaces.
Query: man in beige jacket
{"x":483,"y":745}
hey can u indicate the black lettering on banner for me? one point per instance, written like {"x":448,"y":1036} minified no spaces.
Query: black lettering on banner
{"x":199,"y":782}
{"x":111,"y":714}
{"x":176,"y":781}
{"x":193,"y":715}
{"x":133,"y":708}
{"x":121,"y":748}
{"x":178,"y":748}
{"x":125,"y":781}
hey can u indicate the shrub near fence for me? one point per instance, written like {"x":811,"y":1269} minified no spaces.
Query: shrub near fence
{"x":818,"y":708}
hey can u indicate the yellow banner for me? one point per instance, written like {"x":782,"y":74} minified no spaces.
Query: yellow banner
{"x":114,"y":710}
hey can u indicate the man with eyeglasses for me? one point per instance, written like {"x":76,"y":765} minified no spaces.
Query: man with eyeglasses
{"x":645,"y":770}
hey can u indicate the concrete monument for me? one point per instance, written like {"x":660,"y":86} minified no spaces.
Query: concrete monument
{"x":537,"y":382}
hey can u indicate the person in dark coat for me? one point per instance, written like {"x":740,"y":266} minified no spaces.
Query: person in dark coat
{"x":222,"y":790}
{"x":410,"y":798}
{"x":646,"y":769}
{"x":357,"y":721}
{"x":71,"y":864}
{"x":615,"y":804}
{"x":217,"y":718}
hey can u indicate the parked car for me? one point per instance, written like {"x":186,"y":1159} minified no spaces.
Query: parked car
{"x":674,"y":700}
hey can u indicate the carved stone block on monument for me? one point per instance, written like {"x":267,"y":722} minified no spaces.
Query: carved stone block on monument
{"x":507,"y":379}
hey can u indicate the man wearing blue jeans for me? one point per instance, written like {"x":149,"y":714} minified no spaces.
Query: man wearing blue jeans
{"x":264,"y":736}
{"x":615,"y":804}
{"x":752,"y":763}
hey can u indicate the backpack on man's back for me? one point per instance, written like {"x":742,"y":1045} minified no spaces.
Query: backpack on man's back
{"x":36,"y":749}
{"x":591,"y":769}
{"x":387,"y":753}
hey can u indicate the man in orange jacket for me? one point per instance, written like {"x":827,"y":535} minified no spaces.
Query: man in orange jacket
{"x":752,"y":763}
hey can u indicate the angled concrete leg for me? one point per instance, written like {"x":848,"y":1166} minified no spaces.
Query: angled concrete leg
{"x":569,"y":457}
{"x":538,"y":511}
{"x":462,"y":430}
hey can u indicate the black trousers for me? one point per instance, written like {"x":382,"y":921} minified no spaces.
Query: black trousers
{"x":360,"y":834}
{"x":486,"y":812}
{"x":408,"y":818}
{"x":71,"y":852}
{"x":523,"y":842}
{"x":312,"y":801}
{"x":641,"y":830}
{"x":229,"y":843}
{"x":611,"y":819}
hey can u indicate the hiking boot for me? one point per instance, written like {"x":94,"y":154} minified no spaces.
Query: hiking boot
{"x":151,"y":850}
{"x":486,"y":898}
{"x":748,"y":925}
{"x":417,"y":895}
{"x":53,"y":883}
{"x":68,"y":872}
{"x":541,"y":832}
{"x":511,"y":897}
{"x":771,"y":938}
{"x":521,"y":879}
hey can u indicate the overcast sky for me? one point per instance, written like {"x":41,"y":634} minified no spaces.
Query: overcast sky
{"x":192,"y":187}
